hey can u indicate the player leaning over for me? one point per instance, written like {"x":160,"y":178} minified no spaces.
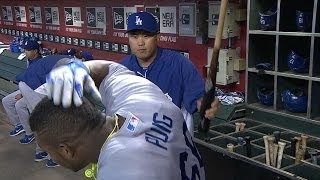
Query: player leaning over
{"x":143,"y":135}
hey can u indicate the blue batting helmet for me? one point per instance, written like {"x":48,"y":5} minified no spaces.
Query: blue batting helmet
{"x":294,"y":100}
{"x":297,"y":63}
{"x":303,"y":20}
{"x":268,"y":19}
{"x":265,"y":96}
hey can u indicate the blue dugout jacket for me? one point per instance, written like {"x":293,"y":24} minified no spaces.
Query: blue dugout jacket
{"x":174,"y":74}
{"x":35,"y":74}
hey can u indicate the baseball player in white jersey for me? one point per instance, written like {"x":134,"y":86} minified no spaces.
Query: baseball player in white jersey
{"x":152,"y":140}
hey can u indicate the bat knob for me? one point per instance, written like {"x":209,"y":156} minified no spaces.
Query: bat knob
{"x":204,"y":125}
{"x":276,"y":135}
{"x":293,"y":147}
{"x":241,"y":141}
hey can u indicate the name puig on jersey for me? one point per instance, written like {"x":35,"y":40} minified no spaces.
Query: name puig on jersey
{"x":160,"y":131}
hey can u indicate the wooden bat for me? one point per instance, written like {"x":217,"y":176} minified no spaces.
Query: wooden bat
{"x":293,"y":147}
{"x":280,"y":153}
{"x":298,"y":150}
{"x":242,"y":125}
{"x":209,"y":96}
{"x":266,"y":147}
{"x":275,"y":154}
{"x":237,"y":126}
{"x":298,"y":156}
{"x":298,"y":144}
{"x":248,"y":146}
{"x":304,"y":138}
{"x":276,"y":135}
{"x":270,"y":141}
{"x":313,"y":153}
{"x":230,"y":147}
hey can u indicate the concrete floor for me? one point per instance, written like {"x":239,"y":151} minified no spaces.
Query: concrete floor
{"x":17,"y":161}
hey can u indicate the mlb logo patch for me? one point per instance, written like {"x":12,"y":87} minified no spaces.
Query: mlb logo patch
{"x":133,"y":123}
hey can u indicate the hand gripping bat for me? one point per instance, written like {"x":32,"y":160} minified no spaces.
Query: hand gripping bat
{"x":209,"y":96}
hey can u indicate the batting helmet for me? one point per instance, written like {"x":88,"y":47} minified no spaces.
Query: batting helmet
{"x":294,"y":100}
{"x":297,"y":63}
{"x":268,"y":19}
{"x":265,"y":96}
{"x":303,"y":20}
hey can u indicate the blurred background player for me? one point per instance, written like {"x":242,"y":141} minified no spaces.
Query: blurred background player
{"x":83,"y":56}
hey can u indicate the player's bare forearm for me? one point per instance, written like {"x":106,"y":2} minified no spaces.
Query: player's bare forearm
{"x":212,"y":111}
{"x":98,"y":69}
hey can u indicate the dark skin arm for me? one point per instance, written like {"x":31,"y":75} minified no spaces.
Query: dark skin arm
{"x":98,"y":70}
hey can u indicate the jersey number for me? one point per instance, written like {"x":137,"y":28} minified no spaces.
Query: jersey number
{"x":184,"y":158}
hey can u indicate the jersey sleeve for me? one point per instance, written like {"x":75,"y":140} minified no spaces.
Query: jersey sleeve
{"x":193,"y":85}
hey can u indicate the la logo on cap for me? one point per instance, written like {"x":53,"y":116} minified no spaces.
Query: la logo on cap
{"x":26,"y":43}
{"x":138,"y":21}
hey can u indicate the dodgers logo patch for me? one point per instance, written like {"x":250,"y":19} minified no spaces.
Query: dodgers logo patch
{"x":133,"y":123}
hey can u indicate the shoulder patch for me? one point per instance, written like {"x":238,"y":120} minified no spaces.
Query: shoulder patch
{"x":133,"y":122}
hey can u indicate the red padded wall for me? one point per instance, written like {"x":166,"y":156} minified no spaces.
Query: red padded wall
{"x":197,"y":53}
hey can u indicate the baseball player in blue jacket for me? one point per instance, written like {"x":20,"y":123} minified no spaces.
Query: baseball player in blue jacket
{"x":176,"y":76}
{"x":17,"y":106}
{"x":11,"y":102}
{"x":141,"y":135}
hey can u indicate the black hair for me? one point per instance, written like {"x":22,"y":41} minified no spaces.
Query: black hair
{"x":58,"y":124}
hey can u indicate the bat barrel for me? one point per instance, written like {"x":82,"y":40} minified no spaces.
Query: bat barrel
{"x":248,"y":146}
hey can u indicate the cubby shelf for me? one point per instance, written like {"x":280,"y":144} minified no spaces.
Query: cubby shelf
{"x":275,"y":46}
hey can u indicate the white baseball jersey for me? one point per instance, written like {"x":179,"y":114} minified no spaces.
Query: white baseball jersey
{"x":153,"y":142}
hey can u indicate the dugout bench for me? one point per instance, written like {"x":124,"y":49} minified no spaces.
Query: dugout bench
{"x":10,"y":66}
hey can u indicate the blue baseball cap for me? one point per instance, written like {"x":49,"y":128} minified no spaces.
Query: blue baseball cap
{"x":142,"y":21}
{"x":86,"y":55}
{"x":30,"y":45}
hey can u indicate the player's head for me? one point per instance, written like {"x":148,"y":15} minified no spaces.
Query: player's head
{"x":142,"y":31}
{"x":83,"y":56}
{"x":31,"y":48}
{"x":66,"y":132}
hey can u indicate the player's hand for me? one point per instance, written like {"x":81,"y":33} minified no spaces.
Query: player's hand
{"x":212,"y":111}
{"x":67,"y":83}
{"x":18,"y":97}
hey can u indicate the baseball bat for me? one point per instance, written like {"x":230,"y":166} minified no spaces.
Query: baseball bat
{"x":230,"y":147}
{"x":209,"y":97}
{"x":237,"y":126}
{"x":280,"y":153}
{"x":266,"y":147}
{"x":275,"y":154}
{"x":293,"y":147}
{"x":304,"y":138}
{"x":298,"y":156}
{"x":313,"y":153}
{"x":298,"y":150}
{"x":298,"y":144}
{"x":270,"y":141}
{"x":240,"y":141}
{"x":276,"y":135}
{"x":242,"y":125}
{"x":248,"y":146}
